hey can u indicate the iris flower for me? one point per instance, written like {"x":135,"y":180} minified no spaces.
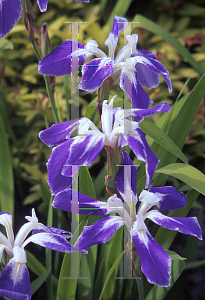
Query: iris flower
{"x":10,"y":13}
{"x":131,"y":68}
{"x":14,"y":280}
{"x":118,"y":130}
{"x":155,"y":262}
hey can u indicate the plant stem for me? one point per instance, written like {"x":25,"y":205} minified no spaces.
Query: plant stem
{"x":50,"y":94}
{"x":140,"y":288}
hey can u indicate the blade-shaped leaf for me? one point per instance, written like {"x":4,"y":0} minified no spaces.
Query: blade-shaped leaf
{"x":36,"y":284}
{"x":187,"y":174}
{"x":149,"y":127}
{"x":6,"y":173}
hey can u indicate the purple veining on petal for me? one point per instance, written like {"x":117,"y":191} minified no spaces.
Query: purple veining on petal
{"x":42,"y":228}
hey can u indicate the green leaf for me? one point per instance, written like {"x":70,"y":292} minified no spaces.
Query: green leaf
{"x":87,"y":262}
{"x":194,"y":264}
{"x":6,"y":173}
{"x":45,"y":191}
{"x":70,"y":269}
{"x":120,"y":9}
{"x":6,"y":44}
{"x":158,"y":292}
{"x":36,"y":266}
{"x":110,"y":273}
{"x":181,"y":127}
{"x":85,"y":183}
{"x":187,"y":174}
{"x":149,"y":127}
{"x":36,"y":284}
{"x":158,"y":30}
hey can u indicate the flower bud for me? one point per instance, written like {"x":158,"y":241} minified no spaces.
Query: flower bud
{"x":45,"y":41}
{"x":29,"y":24}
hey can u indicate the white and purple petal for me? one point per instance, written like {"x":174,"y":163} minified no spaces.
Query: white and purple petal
{"x":188,"y":225}
{"x":94,"y":73}
{"x":99,"y":232}
{"x":86,"y":204}
{"x":119,"y":25}
{"x":145,"y":113}
{"x":59,"y":133}
{"x":133,"y":89}
{"x":84,"y":150}
{"x":56,"y":162}
{"x":155,"y":262}
{"x":169,"y":198}
{"x":148,"y":70}
{"x":42,"y":5}
{"x":15,"y":281}
{"x":53,"y":241}
{"x":141,"y":149}
{"x":42,"y":228}
{"x":10,"y":13}
{"x":59,"y":61}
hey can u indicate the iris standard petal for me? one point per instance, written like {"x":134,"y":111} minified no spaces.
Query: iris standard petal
{"x":99,"y":232}
{"x":56,"y":162}
{"x":15,"y":281}
{"x":119,"y":25}
{"x":155,"y":262}
{"x":94,"y":73}
{"x":169,"y":197}
{"x":10,"y":13}
{"x":188,"y":225}
{"x":59,"y":133}
{"x":86,"y":204}
{"x":42,"y":5}
{"x":120,"y":179}
{"x":59,"y":61}
{"x":53,"y":241}
{"x":141,"y":149}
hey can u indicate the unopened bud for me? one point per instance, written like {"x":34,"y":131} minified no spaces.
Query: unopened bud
{"x":45,"y":41}
{"x":29,"y":24}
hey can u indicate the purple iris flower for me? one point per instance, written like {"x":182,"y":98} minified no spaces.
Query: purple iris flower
{"x":117,"y":130}
{"x":131,"y":68}
{"x":10,"y":13}
{"x":15,"y":280}
{"x":155,"y":262}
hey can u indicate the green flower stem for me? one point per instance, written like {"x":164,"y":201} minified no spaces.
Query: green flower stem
{"x":50,"y":94}
{"x":140,"y":288}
